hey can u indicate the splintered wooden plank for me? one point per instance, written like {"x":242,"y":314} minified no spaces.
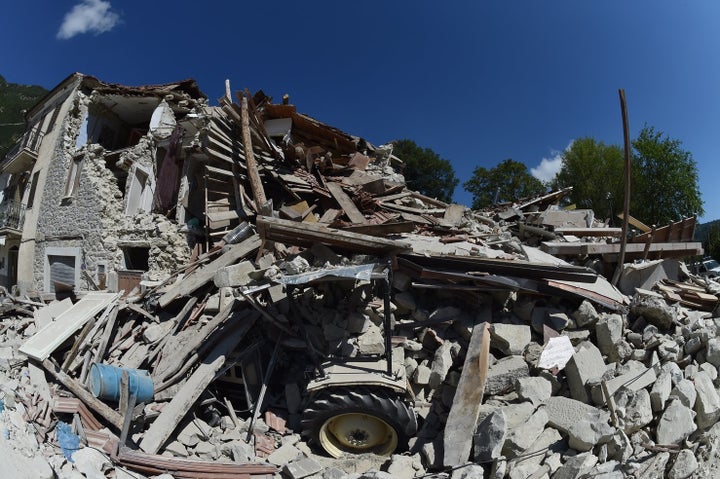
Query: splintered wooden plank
{"x":462,"y":420}
{"x":171,"y":415}
{"x":204,"y":275}
{"x":308,"y":234}
{"x":345,"y":203}
{"x":84,"y":395}
{"x":49,"y":338}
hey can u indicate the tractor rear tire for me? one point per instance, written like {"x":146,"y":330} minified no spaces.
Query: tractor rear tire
{"x":359,"y":420}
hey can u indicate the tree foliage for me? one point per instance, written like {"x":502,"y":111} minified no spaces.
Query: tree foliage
{"x":664,"y":178}
{"x":711,"y":238}
{"x":425,"y":171}
{"x":15,"y":98}
{"x":595,"y":171}
{"x":508,"y":181}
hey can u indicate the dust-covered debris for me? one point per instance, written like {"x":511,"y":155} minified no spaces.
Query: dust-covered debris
{"x":187,"y":305}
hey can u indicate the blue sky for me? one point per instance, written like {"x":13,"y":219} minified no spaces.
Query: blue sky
{"x":476,"y":81}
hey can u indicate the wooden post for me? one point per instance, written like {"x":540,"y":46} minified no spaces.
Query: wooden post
{"x":253,"y":175}
{"x":626,"y":204}
{"x":462,"y":419}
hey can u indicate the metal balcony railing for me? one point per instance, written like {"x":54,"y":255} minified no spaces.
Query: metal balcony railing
{"x":12,"y":215}
{"x":30,"y":142}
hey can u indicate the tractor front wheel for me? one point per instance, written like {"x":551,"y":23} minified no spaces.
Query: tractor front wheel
{"x":358,"y":421}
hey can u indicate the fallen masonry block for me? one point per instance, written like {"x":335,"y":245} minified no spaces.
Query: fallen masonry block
{"x":520,"y":439}
{"x":660,"y":391}
{"x":441,"y":364}
{"x":638,"y":378}
{"x":502,"y":375}
{"x":576,"y":465}
{"x":585,"y":365}
{"x":634,"y":408}
{"x":585,"y":434}
{"x":684,"y":466}
{"x":655,"y":310}
{"x":510,"y":338}
{"x":685,"y":392}
{"x":529,"y":462}
{"x":234,"y":275}
{"x":675,"y":424}
{"x":609,"y":331}
{"x":533,"y":389}
{"x":707,"y":404}
{"x":302,"y":468}
{"x":490,"y":437}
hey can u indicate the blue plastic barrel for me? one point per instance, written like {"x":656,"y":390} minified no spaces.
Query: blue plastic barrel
{"x":105,"y":382}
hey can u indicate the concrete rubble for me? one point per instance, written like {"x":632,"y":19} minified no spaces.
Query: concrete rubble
{"x":490,"y":343}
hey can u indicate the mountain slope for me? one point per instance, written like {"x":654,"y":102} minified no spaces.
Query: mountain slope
{"x":14,"y":98}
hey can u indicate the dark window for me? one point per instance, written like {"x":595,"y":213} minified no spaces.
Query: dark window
{"x":137,"y":258}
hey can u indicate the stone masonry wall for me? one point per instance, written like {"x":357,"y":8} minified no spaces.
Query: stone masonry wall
{"x":93,"y":218}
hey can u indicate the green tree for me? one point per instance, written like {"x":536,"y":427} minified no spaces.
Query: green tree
{"x":664,"y":179}
{"x":425,"y":171}
{"x":711,"y":241}
{"x":595,"y":171}
{"x":508,"y":181}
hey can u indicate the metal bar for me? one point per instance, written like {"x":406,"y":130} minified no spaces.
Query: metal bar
{"x":626,"y":205}
{"x":263,"y":389}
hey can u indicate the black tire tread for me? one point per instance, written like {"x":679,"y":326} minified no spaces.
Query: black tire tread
{"x":379,"y":402}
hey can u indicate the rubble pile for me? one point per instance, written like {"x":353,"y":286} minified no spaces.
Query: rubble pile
{"x":591,"y":381}
{"x":329,"y":322}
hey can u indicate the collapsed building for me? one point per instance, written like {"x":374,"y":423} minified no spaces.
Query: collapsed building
{"x":264,"y":295}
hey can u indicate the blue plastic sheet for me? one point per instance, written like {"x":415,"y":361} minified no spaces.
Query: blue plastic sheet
{"x":69,"y":442}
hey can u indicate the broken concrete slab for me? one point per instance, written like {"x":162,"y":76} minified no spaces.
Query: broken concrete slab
{"x":564,"y":412}
{"x":586,"y":434}
{"x":405,"y":467}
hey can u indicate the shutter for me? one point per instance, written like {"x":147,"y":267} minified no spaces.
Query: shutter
{"x":62,"y":270}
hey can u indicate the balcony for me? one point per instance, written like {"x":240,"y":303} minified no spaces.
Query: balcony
{"x":24,"y":153}
{"x":12,"y":216}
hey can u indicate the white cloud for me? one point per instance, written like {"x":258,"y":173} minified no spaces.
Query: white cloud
{"x":92,"y":16}
{"x":549,"y":167}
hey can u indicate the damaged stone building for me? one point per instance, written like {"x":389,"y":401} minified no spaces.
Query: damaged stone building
{"x":92,"y":193}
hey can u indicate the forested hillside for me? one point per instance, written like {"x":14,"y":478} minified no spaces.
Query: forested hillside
{"x":15,"y":98}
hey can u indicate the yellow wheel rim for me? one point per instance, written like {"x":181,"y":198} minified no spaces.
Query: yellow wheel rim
{"x":357,"y":433}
